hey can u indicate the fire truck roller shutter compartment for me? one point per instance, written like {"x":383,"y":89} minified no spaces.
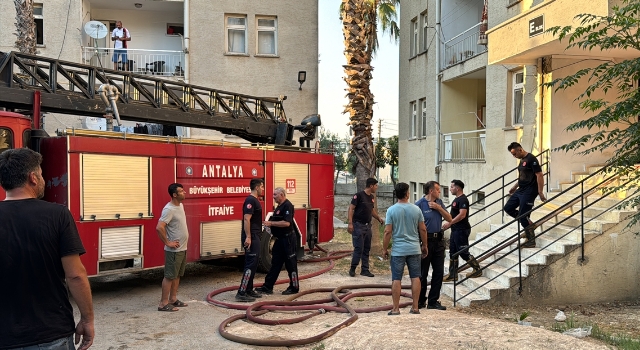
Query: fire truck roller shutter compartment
{"x":120,"y":247}
{"x":115,"y":187}
{"x":294,"y":178}
{"x":220,"y":238}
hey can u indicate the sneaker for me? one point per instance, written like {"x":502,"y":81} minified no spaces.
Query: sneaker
{"x":367,"y":274}
{"x":253,"y":294}
{"x":352,"y":272}
{"x":264,"y":290}
{"x":422,"y":305}
{"x":243,"y":297}
{"x":436,"y":306}
{"x":290,"y":291}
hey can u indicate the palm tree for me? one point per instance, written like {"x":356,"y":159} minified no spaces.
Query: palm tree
{"x":360,"y":20}
{"x":25,"y":27}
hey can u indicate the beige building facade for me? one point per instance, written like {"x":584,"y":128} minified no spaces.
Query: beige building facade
{"x":490,"y":95}
{"x":242,"y":46}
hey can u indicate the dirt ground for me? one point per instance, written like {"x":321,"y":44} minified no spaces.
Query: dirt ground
{"x":126,"y":316}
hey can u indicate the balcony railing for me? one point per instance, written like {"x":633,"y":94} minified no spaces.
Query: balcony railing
{"x":462,"y":47}
{"x":154,"y":62}
{"x":466,"y":146}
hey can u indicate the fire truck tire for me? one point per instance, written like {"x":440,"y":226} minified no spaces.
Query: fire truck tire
{"x":266,"y":244}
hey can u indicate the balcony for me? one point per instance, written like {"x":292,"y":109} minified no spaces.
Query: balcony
{"x":465,"y":146}
{"x":168,"y":63}
{"x":462,"y":47}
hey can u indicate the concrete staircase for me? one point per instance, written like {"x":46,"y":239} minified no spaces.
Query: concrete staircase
{"x":555,"y":245}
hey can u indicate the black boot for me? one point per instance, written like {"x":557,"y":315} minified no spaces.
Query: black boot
{"x":476,"y":267}
{"x":530,"y":234}
{"x":453,"y":271}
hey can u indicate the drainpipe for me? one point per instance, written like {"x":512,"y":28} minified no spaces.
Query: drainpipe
{"x":438,"y":84}
{"x":186,"y":40}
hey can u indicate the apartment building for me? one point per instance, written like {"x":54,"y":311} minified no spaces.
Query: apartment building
{"x":490,"y":95}
{"x":254,"y":48}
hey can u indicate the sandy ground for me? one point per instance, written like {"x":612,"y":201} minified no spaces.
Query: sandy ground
{"x":126,"y":317}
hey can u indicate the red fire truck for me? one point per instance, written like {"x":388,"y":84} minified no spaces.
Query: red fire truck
{"x":115,"y":183}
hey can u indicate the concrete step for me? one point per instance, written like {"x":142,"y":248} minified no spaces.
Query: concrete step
{"x":598,"y":224}
{"x":502,"y":275}
{"x":545,"y":240}
{"x":601,"y":213}
{"x":484,"y":286}
{"x":461,"y":289}
{"x":605,"y":203}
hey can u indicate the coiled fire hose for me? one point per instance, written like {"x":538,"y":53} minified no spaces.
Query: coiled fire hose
{"x":339,"y":295}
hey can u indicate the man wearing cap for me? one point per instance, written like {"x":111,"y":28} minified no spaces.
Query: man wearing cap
{"x":460,"y":231}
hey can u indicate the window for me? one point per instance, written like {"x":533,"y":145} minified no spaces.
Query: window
{"x":414,"y":38}
{"x":267,"y":36}
{"x":424,"y":32}
{"x":414,"y":192}
{"x":39,"y":19}
{"x":6,"y":139}
{"x":26,"y":138}
{"x":445,"y":192}
{"x":175,"y":29}
{"x":420,"y":188}
{"x":424,"y":118}
{"x":517,"y":97}
{"x":479,"y":198}
{"x":236,"y":34}
{"x":414,"y":120}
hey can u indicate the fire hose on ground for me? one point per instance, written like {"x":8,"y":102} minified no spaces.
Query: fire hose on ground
{"x":339,"y":295}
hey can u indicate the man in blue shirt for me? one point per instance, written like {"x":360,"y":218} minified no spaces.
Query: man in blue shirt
{"x":405,"y":224}
{"x":433,"y":211}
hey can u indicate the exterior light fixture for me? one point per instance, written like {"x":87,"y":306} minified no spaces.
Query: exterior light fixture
{"x":302,"y":77}
{"x":137,"y":5}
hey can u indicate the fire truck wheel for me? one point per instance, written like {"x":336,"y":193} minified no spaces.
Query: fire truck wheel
{"x":266,"y":245}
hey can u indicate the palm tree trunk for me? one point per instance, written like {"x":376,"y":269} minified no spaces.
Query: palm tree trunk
{"x":359,"y":30}
{"x":25,"y":27}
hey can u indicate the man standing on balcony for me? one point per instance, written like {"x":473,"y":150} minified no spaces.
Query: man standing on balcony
{"x":433,"y":211}
{"x":460,"y":232}
{"x":523,"y":194}
{"x":120,"y":36}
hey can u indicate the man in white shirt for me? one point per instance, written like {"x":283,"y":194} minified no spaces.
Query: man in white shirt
{"x":120,"y":36}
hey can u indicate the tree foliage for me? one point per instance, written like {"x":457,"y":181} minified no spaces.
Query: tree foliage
{"x":614,"y":124}
{"x":331,"y":141}
{"x":382,"y":153}
{"x":392,"y":145}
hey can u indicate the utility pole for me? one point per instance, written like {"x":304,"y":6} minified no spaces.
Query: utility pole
{"x":379,"y":139}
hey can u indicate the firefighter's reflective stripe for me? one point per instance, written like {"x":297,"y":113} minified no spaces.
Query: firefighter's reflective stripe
{"x":299,"y":172}
{"x":119,"y":242}
{"x":114,"y":185}
{"x":220,"y":237}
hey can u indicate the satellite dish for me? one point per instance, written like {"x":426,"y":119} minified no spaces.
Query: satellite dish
{"x":96,"y":29}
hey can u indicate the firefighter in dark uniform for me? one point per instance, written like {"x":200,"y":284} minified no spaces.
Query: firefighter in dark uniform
{"x":460,"y":231}
{"x":360,"y":212}
{"x":523,"y":194}
{"x":250,"y":238}
{"x":433,"y":211}
{"x":284,"y":248}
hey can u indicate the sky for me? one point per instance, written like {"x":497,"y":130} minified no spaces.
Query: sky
{"x":331,"y":94}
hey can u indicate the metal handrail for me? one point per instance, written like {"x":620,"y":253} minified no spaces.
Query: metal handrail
{"x":516,"y":237}
{"x":541,"y":249}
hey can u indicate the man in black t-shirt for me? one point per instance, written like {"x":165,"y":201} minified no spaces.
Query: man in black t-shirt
{"x":460,"y":231}
{"x":285,"y":246}
{"x":250,"y":238}
{"x":523,"y":194}
{"x":361,"y":210}
{"x":39,"y":249}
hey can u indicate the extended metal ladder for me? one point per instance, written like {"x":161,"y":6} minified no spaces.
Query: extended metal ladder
{"x":71,"y":88}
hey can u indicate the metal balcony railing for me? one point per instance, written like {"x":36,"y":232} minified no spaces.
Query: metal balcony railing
{"x":465,"y":146}
{"x":462,"y":47}
{"x":153,"y":62}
